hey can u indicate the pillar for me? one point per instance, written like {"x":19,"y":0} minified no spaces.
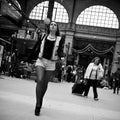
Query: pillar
{"x":68,"y":46}
{"x":104,"y":63}
{"x":68,"y":43}
{"x":116,"y":56}
{"x":50,"y":9}
{"x":77,"y":59}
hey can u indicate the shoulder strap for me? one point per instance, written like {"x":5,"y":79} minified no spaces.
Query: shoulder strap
{"x":43,"y":36}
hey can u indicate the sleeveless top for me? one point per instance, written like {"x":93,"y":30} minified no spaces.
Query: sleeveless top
{"x":51,"y":47}
{"x":48,"y":49}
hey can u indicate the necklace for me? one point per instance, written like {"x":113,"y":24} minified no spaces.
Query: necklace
{"x":51,"y":37}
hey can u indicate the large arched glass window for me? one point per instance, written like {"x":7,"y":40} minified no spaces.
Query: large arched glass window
{"x":99,"y":16}
{"x":39,"y":12}
{"x":59,"y":13}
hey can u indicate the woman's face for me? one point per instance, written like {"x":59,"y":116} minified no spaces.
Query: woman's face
{"x":53,"y":26}
{"x":96,"y":61}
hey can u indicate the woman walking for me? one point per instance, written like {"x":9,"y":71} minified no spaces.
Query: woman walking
{"x":50,"y":50}
{"x":94,"y":72}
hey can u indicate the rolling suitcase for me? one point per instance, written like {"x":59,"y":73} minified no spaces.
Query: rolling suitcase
{"x":78,"y":87}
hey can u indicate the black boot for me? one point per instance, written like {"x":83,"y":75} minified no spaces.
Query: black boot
{"x":37,"y":111}
{"x":38,"y":108}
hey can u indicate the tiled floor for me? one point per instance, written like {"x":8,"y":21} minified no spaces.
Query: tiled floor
{"x":17,"y":102}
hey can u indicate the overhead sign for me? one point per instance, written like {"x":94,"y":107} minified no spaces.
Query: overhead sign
{"x":11,"y":10}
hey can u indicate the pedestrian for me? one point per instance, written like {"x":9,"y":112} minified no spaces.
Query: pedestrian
{"x":93,"y":74}
{"x":2,"y":67}
{"x":14,"y":63}
{"x":50,"y":47}
{"x":69,"y":73}
{"x":111,"y":81}
{"x":8,"y":62}
{"x":116,"y":81}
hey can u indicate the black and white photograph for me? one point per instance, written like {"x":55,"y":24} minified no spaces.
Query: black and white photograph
{"x":59,"y":59}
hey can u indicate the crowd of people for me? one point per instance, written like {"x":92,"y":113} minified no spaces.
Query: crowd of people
{"x":69,"y":73}
{"x":12,"y":66}
{"x":9,"y":63}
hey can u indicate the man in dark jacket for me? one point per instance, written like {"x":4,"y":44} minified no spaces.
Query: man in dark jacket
{"x":116,"y":81}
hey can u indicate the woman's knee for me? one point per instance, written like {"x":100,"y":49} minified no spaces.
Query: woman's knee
{"x":40,"y":74}
{"x":40,"y":80}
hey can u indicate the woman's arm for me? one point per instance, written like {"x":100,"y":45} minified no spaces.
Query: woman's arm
{"x":60,"y":48}
{"x":36,"y":48}
{"x":88,"y":71}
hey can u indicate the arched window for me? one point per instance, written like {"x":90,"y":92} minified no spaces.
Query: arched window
{"x":39,"y":12}
{"x":99,"y":16}
{"x":59,"y":13}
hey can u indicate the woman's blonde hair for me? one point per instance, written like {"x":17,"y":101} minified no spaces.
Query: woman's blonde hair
{"x":99,"y":61}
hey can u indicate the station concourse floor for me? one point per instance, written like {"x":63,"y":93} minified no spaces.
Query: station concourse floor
{"x":17,"y":102}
